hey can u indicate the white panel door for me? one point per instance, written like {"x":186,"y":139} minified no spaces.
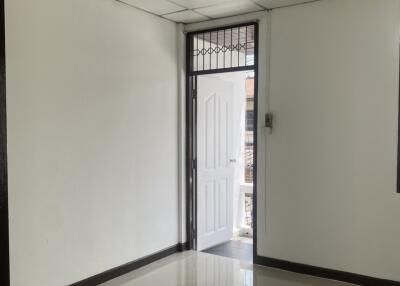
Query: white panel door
{"x":215,"y":165}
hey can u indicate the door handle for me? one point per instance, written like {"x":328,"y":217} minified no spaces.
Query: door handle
{"x":232,"y":160}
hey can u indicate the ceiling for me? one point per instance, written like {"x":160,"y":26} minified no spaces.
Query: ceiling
{"x":191,"y":11}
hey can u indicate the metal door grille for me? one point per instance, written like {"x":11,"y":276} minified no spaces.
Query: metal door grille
{"x":222,"y":50}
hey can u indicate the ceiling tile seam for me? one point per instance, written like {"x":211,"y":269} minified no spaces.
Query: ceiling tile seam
{"x":170,"y":13}
{"x":191,"y":10}
{"x":296,"y":4}
{"x":258,"y":4}
{"x":234,"y":15}
{"x":207,"y":6}
{"x":177,"y":4}
{"x":178,"y":11}
{"x":145,"y":11}
{"x":187,"y":9}
{"x":209,"y":17}
{"x":227,"y":17}
{"x":226,"y":2}
{"x":264,"y":9}
{"x":253,"y":1}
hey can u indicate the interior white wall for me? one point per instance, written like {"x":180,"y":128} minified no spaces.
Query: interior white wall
{"x":331,"y":159}
{"x":92,"y":103}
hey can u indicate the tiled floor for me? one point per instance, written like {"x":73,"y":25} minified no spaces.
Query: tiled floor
{"x":202,"y":269}
{"x":239,"y":248}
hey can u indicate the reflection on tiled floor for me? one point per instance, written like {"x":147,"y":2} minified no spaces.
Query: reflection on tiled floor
{"x":240,"y":248}
{"x":202,"y":269}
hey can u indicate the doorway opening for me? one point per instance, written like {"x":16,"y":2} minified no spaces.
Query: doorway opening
{"x":221,"y":140}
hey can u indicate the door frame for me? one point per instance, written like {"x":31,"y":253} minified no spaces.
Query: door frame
{"x":191,"y":132}
{"x":4,"y":224}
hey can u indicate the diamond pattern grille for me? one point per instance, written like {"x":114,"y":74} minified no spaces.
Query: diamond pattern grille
{"x":226,"y":48}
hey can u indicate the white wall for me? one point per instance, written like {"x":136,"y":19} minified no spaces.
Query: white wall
{"x":92,"y":108}
{"x":331,"y":160}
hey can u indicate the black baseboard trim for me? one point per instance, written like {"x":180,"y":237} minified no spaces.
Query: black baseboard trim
{"x":130,"y":266}
{"x":323,"y":272}
{"x":183,"y":246}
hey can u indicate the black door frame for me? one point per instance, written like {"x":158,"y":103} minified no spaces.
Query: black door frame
{"x":191,"y":135}
{"x":4,"y":238}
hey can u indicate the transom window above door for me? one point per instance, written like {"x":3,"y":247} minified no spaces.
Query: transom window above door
{"x":224,"y":49}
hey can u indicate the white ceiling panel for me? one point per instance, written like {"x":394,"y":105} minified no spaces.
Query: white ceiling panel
{"x":158,"y":7}
{"x":187,"y":16}
{"x":191,"y":4}
{"x":191,"y":11}
{"x":229,"y":9}
{"x":270,"y":4}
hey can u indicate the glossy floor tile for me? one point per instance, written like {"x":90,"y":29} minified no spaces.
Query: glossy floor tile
{"x":238,"y":248}
{"x":203,"y":269}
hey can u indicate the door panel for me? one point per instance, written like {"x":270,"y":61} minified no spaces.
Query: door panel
{"x":209,"y":213}
{"x":215,"y":173}
{"x":222,"y":202}
{"x":210,"y":136}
